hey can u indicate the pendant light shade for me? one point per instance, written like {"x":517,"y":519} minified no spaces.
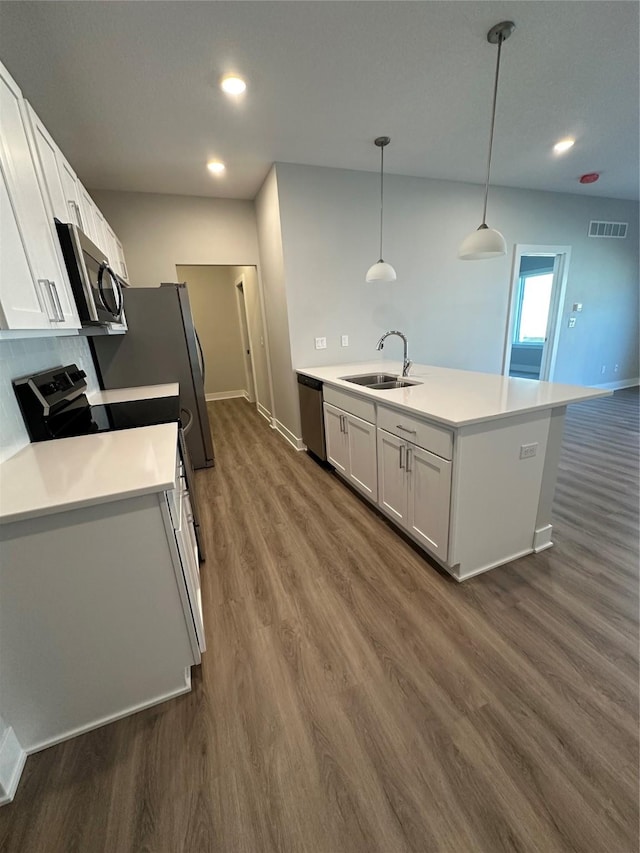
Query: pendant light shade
{"x":486,"y":242}
{"x":381,"y":270}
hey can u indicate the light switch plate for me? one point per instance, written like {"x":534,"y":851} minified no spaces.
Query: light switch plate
{"x":577,"y":306}
{"x":344,"y":341}
{"x":321,"y":343}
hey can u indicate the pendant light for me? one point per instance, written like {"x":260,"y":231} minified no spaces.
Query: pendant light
{"x":381,"y":271}
{"x":487,"y":242}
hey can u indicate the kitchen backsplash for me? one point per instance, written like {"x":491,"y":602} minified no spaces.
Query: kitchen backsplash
{"x":19,"y":357}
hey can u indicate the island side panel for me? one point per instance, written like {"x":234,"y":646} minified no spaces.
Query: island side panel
{"x":495,"y":496}
{"x":543,"y":531}
{"x":91,"y":623}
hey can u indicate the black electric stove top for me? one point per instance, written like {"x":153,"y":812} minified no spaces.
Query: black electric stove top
{"x":79,"y":418}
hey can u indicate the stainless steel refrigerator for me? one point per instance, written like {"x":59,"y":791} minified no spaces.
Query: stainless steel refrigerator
{"x":160,"y":346}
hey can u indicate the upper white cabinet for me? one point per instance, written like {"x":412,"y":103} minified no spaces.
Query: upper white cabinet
{"x":43,"y":300}
{"x":38,"y":186}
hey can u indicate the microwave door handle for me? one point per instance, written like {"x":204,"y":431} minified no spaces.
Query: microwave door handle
{"x":115,"y":313}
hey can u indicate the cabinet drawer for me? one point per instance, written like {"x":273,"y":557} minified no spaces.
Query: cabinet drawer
{"x":427,"y":435}
{"x":350,"y":403}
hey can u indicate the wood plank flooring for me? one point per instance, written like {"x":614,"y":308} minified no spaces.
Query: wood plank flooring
{"x":354,"y":699}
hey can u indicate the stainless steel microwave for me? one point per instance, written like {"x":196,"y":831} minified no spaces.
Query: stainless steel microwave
{"x":96,"y":287}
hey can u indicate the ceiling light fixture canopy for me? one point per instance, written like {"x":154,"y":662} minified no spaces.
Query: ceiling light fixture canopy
{"x":486,"y":242}
{"x":381,"y":270}
{"x":216,"y":167}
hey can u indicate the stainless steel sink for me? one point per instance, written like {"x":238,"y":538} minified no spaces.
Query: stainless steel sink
{"x":397,"y":383}
{"x":370,"y":379}
{"x":380,"y":381}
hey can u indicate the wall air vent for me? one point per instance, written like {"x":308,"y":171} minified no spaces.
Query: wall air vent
{"x":608,"y":229}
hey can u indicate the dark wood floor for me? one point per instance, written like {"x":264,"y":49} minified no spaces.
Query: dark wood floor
{"x":355,"y":699}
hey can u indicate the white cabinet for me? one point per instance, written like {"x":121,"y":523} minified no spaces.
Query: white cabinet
{"x":48,"y":155}
{"x":42,"y":300}
{"x":414,"y":489}
{"x":351,"y":449}
{"x":122,"y":266}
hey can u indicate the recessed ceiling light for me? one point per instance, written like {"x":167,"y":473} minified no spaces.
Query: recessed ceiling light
{"x":216,"y":167}
{"x":232,"y":85}
{"x":563,"y":145}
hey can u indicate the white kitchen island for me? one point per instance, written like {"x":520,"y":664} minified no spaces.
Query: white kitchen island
{"x":464,"y":463}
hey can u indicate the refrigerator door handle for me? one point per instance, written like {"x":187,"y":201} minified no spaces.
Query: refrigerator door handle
{"x":200,"y":354}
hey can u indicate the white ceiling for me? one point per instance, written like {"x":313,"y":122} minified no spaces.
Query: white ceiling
{"x":129,"y":89}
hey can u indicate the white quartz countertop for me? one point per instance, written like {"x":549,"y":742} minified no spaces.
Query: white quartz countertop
{"x":52,"y":476}
{"x":139,"y":392}
{"x":456,"y":397}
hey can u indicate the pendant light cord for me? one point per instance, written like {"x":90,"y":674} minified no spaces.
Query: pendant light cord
{"x":493,"y":122}
{"x":381,"y":195}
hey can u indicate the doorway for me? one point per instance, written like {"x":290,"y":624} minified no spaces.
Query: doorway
{"x":538,"y":288}
{"x":228,"y":312}
{"x":247,"y":348}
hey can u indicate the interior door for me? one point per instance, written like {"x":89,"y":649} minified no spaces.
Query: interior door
{"x":361,"y":444}
{"x":337,"y":450}
{"x":392,"y":481}
{"x":429,"y":496}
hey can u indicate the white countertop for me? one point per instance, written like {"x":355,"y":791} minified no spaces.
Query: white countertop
{"x":139,"y":392}
{"x":52,"y":476}
{"x":456,"y":397}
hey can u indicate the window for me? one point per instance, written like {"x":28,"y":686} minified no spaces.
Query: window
{"x":534,"y":299}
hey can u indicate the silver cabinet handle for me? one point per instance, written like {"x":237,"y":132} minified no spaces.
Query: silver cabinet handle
{"x":409,"y":469}
{"x":50,"y":304}
{"x":346,"y":424}
{"x":56,"y":300}
{"x":405,"y":429}
{"x":341,"y":429}
{"x":402,"y":450}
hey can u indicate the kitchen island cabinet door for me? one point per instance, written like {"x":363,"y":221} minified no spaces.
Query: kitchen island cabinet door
{"x":429,"y":499}
{"x":335,"y":436}
{"x":361,"y":445}
{"x":392,"y":479}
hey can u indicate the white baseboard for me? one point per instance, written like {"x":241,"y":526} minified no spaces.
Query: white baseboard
{"x":12,"y":759}
{"x":501,"y":562}
{"x":225,"y":395}
{"x":266,"y":414}
{"x":293,"y":440}
{"x":617,"y":386}
{"x":542,"y":538}
{"x":111,"y":718}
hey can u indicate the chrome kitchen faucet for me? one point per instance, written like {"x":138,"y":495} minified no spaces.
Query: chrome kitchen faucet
{"x":406,"y":364}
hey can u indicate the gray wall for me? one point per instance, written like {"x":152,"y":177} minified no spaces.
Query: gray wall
{"x":285,"y":400}
{"x":212,"y":295}
{"x":454,"y":312}
{"x":160,"y":231}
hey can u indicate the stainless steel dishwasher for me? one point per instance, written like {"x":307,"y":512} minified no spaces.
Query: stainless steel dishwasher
{"x":312,"y":415}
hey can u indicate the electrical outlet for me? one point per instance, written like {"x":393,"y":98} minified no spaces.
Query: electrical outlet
{"x":528,"y":450}
{"x":321,"y":343}
{"x":344,"y":341}
{"x":616,"y":368}
{"x":603,"y":369}
{"x":572,"y":322}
